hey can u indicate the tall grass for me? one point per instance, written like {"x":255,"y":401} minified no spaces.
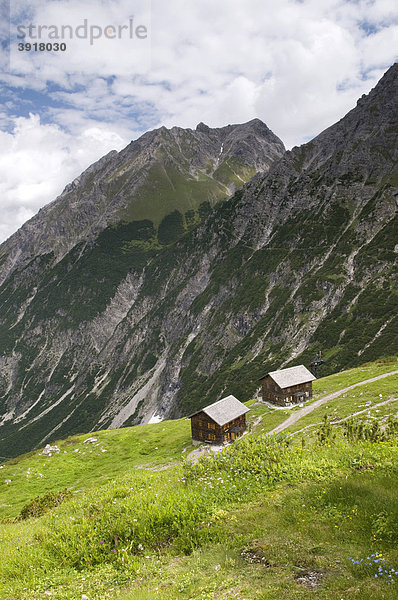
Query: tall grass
{"x":137,"y":518}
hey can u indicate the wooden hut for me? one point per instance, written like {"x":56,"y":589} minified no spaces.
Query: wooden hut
{"x":287,"y":386}
{"x":220,"y":422}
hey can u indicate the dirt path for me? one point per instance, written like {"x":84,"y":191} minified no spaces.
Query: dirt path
{"x":194,"y":455}
{"x":307,"y":409}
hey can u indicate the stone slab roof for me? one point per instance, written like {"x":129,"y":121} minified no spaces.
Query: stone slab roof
{"x":291,"y":376}
{"x":225,"y":410}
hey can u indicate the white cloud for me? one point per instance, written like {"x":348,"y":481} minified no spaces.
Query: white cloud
{"x":84,"y":55}
{"x":376,"y":49}
{"x":297,"y":65}
{"x":37,"y":161}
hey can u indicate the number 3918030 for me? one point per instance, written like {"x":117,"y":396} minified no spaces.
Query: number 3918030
{"x":42,"y":47}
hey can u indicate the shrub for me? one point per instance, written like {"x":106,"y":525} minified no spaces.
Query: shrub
{"x":326,"y":433}
{"x":42,"y":504}
{"x":372,"y":431}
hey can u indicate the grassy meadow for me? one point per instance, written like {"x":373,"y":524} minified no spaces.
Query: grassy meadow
{"x":314,"y":514}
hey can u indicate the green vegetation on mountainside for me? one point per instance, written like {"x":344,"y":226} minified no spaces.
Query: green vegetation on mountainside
{"x":265,"y":296}
{"x":168,"y":190}
{"x":148,"y":446}
{"x":263,"y":518}
{"x":302,"y":265}
{"x":267,"y":516}
{"x":82,"y":465}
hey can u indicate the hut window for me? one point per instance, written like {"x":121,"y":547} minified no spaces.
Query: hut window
{"x":211,"y":425}
{"x":211,"y":436}
{"x":200,"y":423}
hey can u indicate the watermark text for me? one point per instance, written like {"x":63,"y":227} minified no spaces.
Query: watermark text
{"x":84,"y":31}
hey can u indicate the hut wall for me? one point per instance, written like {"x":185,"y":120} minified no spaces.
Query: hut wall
{"x":234,"y":429}
{"x":205,"y":429}
{"x":271,"y":392}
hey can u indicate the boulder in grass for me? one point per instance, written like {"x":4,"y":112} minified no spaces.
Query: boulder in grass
{"x":50,"y":450}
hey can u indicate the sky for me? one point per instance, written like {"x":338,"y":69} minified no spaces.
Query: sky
{"x":133,"y":65}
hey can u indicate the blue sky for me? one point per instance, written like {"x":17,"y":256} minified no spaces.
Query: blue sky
{"x":298,"y":66}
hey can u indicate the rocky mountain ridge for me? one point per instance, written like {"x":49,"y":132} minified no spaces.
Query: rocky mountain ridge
{"x":193,"y":166}
{"x":147,"y":319}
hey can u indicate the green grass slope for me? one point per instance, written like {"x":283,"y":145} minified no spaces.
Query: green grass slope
{"x":314,"y":514}
{"x":80,"y":466}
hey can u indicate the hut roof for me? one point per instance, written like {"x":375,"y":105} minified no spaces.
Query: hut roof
{"x":291,"y":376}
{"x":225,"y":410}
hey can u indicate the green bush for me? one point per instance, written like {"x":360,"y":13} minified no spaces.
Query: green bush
{"x":42,"y":504}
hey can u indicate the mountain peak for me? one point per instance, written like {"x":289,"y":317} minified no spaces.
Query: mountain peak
{"x":253,"y":123}
{"x":362,"y":141}
{"x":202,"y":128}
{"x":161,"y":171}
